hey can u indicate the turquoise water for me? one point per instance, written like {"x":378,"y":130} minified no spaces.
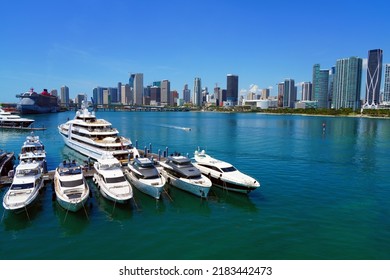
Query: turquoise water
{"x":322,"y":195}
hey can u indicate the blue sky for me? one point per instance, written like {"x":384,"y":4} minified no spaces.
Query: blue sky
{"x":83,"y":44}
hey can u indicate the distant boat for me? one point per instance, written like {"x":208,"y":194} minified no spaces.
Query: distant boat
{"x":70,"y":186}
{"x":25,"y":186}
{"x":8,"y":120}
{"x":37,"y":103}
{"x":181,"y":173}
{"x":223,"y":174}
{"x":144,"y":176}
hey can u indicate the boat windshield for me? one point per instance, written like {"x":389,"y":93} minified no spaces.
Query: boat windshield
{"x":22,"y":186}
{"x":26,"y":172}
{"x":70,"y":184}
{"x":112,"y":180}
{"x":229,"y":169}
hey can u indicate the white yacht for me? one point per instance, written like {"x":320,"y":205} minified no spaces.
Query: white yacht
{"x":93,"y":137}
{"x":223,"y":174}
{"x":181,"y":173}
{"x":144,"y":175}
{"x":33,"y":150}
{"x":70,"y":186}
{"x":25,"y":186}
{"x":110,"y":180}
{"x":8,"y":120}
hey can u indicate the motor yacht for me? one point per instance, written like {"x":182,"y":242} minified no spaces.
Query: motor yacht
{"x":110,"y":179}
{"x":70,"y":186}
{"x":181,"y":173}
{"x":8,"y":120}
{"x":92,"y":137}
{"x":223,"y":174}
{"x":25,"y":186}
{"x":6,"y":162}
{"x":144,"y":175}
{"x":34,"y":150}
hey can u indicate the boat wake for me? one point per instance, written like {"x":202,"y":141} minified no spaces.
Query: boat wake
{"x":176,"y":127}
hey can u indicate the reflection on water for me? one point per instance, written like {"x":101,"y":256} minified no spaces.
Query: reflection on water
{"x":70,"y":222}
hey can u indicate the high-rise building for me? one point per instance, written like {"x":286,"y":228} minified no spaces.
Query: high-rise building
{"x":186,"y":94}
{"x":232,"y":89}
{"x":347,"y":83}
{"x":386,"y":92}
{"x":64,"y":96}
{"x":197,"y":97}
{"x":320,"y":86}
{"x":289,"y":94}
{"x":264,"y":93}
{"x":155,"y":95}
{"x":374,"y":77}
{"x":280,"y":94}
{"x":166,"y":93}
{"x":332,"y":73}
{"x":136,"y":82}
{"x":126,"y":95}
{"x":307,"y":90}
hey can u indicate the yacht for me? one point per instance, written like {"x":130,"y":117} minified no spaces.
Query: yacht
{"x":110,"y":179}
{"x":70,"y":186}
{"x":181,"y":173}
{"x":223,"y":174}
{"x":144,"y":175}
{"x":25,"y":186}
{"x":8,"y":120}
{"x":92,"y":137}
{"x":6,"y":162}
{"x":34,"y":150}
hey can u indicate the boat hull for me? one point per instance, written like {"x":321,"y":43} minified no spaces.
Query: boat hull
{"x":152,"y":188}
{"x":200,"y":187}
{"x":25,"y":200}
{"x":117,"y":198}
{"x":231,"y":186}
{"x":72,"y":205}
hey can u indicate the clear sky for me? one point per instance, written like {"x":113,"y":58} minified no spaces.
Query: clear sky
{"x":89,"y":43}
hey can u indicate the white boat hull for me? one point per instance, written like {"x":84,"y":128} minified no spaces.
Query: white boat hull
{"x":199,"y":187}
{"x":116,"y":194}
{"x":18,"y":200}
{"x":152,"y":187}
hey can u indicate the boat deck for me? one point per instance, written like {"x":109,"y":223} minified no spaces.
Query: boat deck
{"x":22,"y":128}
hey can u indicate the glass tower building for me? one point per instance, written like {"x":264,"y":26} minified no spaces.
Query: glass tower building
{"x":232,"y":89}
{"x":386,"y":92}
{"x":197,"y":97}
{"x":347,"y":83}
{"x":374,"y":77}
{"x":320,"y":86}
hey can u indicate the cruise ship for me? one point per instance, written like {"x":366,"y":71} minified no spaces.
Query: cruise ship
{"x":94,"y":137}
{"x":37,"y":103}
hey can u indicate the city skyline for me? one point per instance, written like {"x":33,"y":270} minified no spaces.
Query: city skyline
{"x":48,"y":46}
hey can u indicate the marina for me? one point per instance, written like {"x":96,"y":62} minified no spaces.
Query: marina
{"x":308,"y":206}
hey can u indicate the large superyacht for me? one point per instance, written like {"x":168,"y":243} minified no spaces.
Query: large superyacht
{"x":93,"y":137}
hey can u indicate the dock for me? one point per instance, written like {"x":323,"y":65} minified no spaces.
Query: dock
{"x":88,"y":172}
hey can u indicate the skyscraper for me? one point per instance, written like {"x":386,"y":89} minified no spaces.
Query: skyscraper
{"x":280,"y":94}
{"x":165,"y":93}
{"x":64,"y":96}
{"x":289,"y":94}
{"x":307,"y":90}
{"x":232,"y":89}
{"x":186,"y":94}
{"x":386,"y":92}
{"x":347,"y":83}
{"x":197,"y":97}
{"x":265,"y":93}
{"x":136,"y":82}
{"x":320,"y":86}
{"x":374,"y":77}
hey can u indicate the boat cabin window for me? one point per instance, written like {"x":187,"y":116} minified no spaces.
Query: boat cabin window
{"x":70,"y":184}
{"x":115,"y":180}
{"x":229,"y":169}
{"x":26,"y":172}
{"x":22,"y":186}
